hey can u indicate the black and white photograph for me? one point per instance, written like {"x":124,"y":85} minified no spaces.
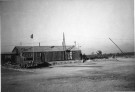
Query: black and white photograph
{"x":67,"y":46}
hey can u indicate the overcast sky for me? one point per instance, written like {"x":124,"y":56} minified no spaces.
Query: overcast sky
{"x":88,"y":22}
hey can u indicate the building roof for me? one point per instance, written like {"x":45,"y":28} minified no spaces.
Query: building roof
{"x":7,"y":53}
{"x":42,"y":48}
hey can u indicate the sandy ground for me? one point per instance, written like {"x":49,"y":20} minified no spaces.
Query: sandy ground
{"x":91,"y":76}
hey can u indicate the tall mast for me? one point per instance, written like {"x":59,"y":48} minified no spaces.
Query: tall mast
{"x":64,"y":46}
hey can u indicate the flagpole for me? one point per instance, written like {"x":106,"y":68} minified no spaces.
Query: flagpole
{"x":33,"y":49}
{"x":63,"y":47}
{"x":32,"y":45}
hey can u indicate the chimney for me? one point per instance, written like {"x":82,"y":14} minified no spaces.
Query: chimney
{"x":75,"y":43}
{"x":39,"y":43}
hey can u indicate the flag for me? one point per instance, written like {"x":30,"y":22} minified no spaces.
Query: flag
{"x":31,"y":36}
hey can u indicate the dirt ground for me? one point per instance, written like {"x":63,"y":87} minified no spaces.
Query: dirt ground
{"x":91,"y":76}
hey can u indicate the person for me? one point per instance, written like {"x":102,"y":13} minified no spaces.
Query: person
{"x":84,"y":58}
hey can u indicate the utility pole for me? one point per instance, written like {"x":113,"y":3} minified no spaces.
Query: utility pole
{"x":117,"y":46}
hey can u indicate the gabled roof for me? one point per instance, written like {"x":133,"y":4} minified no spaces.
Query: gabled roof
{"x":41,"y":48}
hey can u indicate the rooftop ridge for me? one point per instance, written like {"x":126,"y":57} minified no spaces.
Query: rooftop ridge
{"x":42,"y":48}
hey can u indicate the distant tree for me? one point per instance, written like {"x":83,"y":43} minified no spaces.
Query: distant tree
{"x":99,"y":52}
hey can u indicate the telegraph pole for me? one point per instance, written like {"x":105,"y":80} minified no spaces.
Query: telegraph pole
{"x":117,"y":46}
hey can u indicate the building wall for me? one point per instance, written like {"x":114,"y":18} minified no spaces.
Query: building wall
{"x":40,"y":57}
{"x":28,"y":56}
{"x":7,"y":58}
{"x":52,"y":56}
{"x":76,"y":55}
{"x":60,"y":56}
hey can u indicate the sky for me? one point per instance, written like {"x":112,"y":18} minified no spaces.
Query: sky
{"x":88,"y":22}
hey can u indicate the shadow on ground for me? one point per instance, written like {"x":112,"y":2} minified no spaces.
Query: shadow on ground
{"x":82,"y":66}
{"x":45,"y":64}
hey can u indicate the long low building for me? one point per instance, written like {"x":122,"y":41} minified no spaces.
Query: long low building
{"x":46,"y":53}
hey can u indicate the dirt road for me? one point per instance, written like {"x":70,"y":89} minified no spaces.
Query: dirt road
{"x":91,"y":76}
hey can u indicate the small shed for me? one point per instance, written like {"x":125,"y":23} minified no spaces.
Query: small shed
{"x":7,"y":57}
